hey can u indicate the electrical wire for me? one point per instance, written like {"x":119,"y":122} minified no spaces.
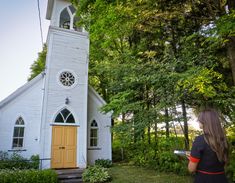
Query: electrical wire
{"x":40,"y":21}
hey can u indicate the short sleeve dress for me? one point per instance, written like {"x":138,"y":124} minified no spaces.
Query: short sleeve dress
{"x":209,"y":169}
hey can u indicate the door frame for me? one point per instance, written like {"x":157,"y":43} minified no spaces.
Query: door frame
{"x":63,"y":149}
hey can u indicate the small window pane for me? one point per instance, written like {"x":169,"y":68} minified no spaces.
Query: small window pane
{"x":93,"y":142}
{"x":19,"y":121}
{"x":20,"y":142}
{"x":15,"y":143}
{"x":70,"y":119}
{"x":94,"y":133}
{"x":64,"y":17}
{"x":72,"y":9}
{"x":59,"y":118}
{"x":65,"y":113}
{"x":94,"y":124}
{"x":21,"y":132}
{"x":16,"y":132}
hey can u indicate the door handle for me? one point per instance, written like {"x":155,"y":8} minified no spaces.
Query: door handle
{"x":61,"y":147}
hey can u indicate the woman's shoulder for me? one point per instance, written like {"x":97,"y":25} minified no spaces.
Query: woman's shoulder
{"x":200,"y":139}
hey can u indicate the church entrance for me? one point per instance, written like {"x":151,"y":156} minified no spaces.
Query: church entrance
{"x":64,"y":147}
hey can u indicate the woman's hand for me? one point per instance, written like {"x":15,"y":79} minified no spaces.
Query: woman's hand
{"x":187,"y":153}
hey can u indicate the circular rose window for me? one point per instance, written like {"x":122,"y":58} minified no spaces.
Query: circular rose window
{"x":67,"y":78}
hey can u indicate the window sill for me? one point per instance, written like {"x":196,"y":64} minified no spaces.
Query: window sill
{"x":94,"y":148}
{"x":16,"y":150}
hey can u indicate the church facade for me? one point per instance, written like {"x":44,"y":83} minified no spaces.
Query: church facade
{"x":57,"y":115}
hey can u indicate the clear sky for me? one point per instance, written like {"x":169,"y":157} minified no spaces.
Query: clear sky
{"x":20,"y":41}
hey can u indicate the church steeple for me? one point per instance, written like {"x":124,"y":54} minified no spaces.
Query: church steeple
{"x":62,"y":14}
{"x":66,"y":83}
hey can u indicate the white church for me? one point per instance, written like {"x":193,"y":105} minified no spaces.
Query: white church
{"x":57,"y":115}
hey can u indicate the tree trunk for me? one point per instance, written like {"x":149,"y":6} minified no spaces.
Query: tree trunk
{"x":167,"y":122}
{"x":231,"y":55}
{"x":231,"y":44}
{"x":185,"y":125}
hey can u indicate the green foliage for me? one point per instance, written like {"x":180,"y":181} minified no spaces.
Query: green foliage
{"x":16,"y":161}
{"x":169,"y":162}
{"x":39,"y":65}
{"x":230,"y":169}
{"x":106,"y":163}
{"x":95,"y":174}
{"x":29,"y":176}
{"x":226,"y":24}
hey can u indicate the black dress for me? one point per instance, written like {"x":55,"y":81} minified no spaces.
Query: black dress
{"x":209,"y":168}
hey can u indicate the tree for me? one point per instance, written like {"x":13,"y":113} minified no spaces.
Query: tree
{"x":39,"y":65}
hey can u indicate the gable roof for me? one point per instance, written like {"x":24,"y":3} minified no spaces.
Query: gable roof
{"x":92,"y":90}
{"x":22,"y":89}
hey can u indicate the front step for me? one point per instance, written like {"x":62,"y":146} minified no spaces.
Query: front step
{"x":70,"y":175}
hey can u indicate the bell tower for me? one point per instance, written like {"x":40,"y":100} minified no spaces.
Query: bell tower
{"x":66,"y":82}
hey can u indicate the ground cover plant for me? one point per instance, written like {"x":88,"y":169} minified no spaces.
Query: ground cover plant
{"x":124,"y":173}
{"x":28,"y":176}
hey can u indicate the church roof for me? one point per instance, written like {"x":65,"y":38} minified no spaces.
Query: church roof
{"x":92,"y":90}
{"x":22,"y":89}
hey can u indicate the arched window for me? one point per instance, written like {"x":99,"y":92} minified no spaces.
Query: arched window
{"x":68,"y":19}
{"x":65,"y":116}
{"x":94,"y":134}
{"x":18,"y":135}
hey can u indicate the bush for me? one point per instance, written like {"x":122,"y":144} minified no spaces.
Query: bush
{"x":106,"y":163}
{"x":169,"y":162}
{"x":95,"y":174}
{"x":230,"y":169}
{"x":16,"y":161}
{"x":28,"y":176}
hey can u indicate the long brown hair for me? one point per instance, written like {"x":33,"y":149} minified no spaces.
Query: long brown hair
{"x":214,"y":134}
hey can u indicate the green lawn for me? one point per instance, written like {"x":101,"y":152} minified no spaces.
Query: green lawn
{"x":132,"y":174}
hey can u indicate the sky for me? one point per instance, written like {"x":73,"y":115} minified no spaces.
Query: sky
{"x":20,"y":41}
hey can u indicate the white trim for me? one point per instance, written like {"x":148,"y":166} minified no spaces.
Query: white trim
{"x":92,"y":90}
{"x":50,"y":4}
{"x":75,"y":77}
{"x":64,"y":124}
{"x":58,"y":29}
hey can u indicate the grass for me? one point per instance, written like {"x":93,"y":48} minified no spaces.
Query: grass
{"x":132,"y":174}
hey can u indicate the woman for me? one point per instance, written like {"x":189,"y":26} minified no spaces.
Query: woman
{"x":209,"y":152}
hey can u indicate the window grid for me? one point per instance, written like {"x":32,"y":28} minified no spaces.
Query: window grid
{"x":65,"y":116}
{"x":94,"y":134}
{"x":18,"y":134}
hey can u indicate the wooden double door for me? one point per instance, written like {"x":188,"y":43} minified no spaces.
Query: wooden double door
{"x":64,"y":147}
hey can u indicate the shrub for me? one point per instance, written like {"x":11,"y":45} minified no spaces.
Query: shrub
{"x":168,"y":162}
{"x":29,"y":176}
{"x":95,"y":174}
{"x":230,"y":169}
{"x":16,"y":161}
{"x":106,"y":163}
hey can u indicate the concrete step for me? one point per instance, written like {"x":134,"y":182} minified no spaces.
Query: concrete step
{"x":71,"y":181}
{"x":70,"y":175}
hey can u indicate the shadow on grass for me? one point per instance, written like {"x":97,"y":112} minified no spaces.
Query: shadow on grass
{"x":123,"y":173}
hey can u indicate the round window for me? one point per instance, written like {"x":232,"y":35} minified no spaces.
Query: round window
{"x":67,"y":78}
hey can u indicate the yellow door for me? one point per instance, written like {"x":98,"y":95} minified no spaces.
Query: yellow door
{"x":64,"y":144}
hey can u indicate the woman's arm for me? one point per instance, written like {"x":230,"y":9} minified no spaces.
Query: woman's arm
{"x":193,"y":162}
{"x":192,"y":166}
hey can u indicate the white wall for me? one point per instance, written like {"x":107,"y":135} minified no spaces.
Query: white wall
{"x":104,"y":148}
{"x":28,"y":105}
